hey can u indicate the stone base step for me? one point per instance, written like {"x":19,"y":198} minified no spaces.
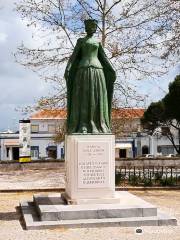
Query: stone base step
{"x":32,"y":220}
{"x":53,"y":208}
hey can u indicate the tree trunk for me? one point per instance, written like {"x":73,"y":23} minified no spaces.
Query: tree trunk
{"x":179,"y":141}
{"x":103,"y":24}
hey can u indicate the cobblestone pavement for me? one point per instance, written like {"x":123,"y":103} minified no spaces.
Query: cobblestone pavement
{"x":11,"y":228}
{"x":32,"y":179}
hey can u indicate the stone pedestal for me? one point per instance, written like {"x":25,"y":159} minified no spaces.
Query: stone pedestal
{"x":90,"y":186}
{"x":90,"y":169}
{"x":50,"y":211}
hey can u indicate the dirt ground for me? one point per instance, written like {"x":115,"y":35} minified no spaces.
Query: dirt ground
{"x":11,"y":225}
{"x":32,"y":179}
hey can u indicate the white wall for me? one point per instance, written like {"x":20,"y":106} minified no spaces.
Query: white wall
{"x":153,"y":142}
{"x":40,"y":140}
{"x":43,"y":124}
{"x":43,"y":142}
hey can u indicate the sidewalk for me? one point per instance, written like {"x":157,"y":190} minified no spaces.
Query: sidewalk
{"x":32,"y":179}
{"x":11,"y":228}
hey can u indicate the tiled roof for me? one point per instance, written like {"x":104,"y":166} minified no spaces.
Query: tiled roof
{"x":49,"y":114}
{"x":129,"y":113}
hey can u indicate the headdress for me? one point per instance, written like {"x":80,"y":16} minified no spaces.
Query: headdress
{"x":90,"y":21}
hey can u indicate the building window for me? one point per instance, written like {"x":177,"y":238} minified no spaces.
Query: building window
{"x":51,"y":128}
{"x":35,"y":152}
{"x":167,"y":150}
{"x":34,"y":128}
{"x":159,"y":150}
{"x":165,"y":130}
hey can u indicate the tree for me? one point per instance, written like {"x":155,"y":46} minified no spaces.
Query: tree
{"x":172,"y":100}
{"x":60,"y":133}
{"x":163,"y":117}
{"x":153,"y":116}
{"x":141,"y":38}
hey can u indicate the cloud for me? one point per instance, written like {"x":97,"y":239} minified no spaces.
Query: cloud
{"x":9,"y":116}
{"x":3,"y":37}
{"x":19,"y":86}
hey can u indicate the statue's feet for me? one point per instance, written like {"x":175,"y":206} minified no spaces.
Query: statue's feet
{"x":105,"y":128}
{"x":84,"y":130}
{"x":95,"y":131}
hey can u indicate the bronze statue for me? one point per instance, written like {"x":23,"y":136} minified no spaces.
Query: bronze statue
{"x":90,"y":80}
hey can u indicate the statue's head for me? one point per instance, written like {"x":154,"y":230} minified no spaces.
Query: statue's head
{"x":90,"y":26}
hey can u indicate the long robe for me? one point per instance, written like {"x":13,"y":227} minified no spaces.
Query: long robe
{"x":89,"y":90}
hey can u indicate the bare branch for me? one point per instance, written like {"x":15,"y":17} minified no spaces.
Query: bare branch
{"x":140,"y":37}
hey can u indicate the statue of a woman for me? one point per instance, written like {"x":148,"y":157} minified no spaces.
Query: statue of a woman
{"x":90,"y":79}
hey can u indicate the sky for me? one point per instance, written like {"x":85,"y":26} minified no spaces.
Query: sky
{"x":20,"y":87}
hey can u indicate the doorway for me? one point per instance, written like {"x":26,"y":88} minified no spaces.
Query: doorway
{"x":145,"y":150}
{"x":52,"y":152}
{"x":122,"y":153}
{"x":15,"y":153}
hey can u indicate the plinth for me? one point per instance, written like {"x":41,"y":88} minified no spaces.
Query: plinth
{"x":90,"y":199}
{"x":90,"y":169}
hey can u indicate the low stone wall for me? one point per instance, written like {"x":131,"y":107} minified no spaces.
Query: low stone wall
{"x":47,"y":164}
{"x":168,"y":162}
{"x":54,"y":164}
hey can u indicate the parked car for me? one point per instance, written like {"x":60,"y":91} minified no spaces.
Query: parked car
{"x":147,"y":156}
{"x":170,"y":155}
{"x":159,"y":155}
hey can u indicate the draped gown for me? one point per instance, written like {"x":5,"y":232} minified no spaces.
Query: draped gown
{"x":90,"y":78}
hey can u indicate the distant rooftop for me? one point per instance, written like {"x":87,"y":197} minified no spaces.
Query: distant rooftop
{"x":129,"y":113}
{"x":7,"y":132}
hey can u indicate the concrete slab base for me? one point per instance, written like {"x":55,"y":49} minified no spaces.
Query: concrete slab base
{"x":50,"y":211}
{"x":82,"y":201}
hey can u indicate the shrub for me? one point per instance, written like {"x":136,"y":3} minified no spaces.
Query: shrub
{"x":119,"y":178}
{"x":147,"y":182}
{"x":158,"y":176}
{"x":168,"y":181}
{"x":134,"y":180}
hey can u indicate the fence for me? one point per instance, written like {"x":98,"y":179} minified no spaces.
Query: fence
{"x":147,"y":176}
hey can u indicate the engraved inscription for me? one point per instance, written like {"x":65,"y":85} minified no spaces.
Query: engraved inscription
{"x":93,"y":165}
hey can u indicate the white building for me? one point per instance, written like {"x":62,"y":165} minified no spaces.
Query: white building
{"x":43,"y":127}
{"x":130,"y":141}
